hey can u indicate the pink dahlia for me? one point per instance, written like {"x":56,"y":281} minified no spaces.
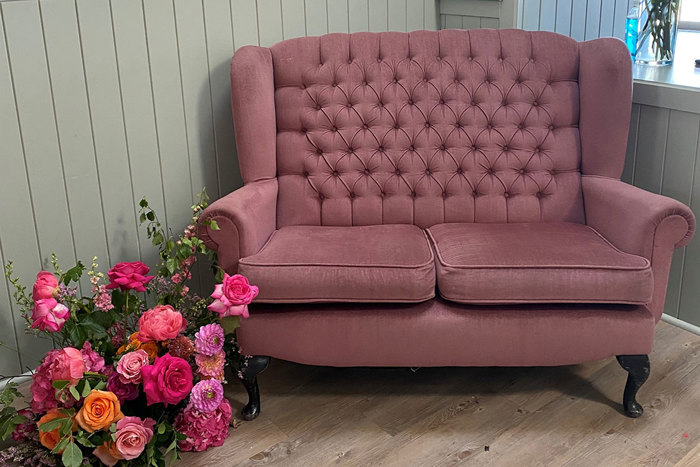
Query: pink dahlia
{"x":203,"y":429}
{"x":210,"y":366}
{"x":209,"y":340}
{"x":206,"y":395}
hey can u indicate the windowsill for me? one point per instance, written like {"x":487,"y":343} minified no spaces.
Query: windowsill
{"x":675,"y":86}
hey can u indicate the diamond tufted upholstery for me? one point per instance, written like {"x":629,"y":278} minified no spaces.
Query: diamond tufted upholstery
{"x":427,"y":127}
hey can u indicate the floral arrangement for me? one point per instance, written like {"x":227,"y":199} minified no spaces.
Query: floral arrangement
{"x":137,"y":369}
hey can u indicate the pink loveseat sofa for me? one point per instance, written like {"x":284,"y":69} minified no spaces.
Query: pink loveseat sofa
{"x":444,"y":198}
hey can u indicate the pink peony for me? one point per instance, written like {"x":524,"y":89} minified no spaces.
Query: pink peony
{"x":129,"y":366}
{"x":123,"y":391}
{"x":210,"y":366}
{"x":206,"y":395}
{"x":45,"y":286}
{"x":209,"y":339}
{"x":93,"y":361}
{"x":160,"y":323}
{"x":49,"y":315}
{"x":168,"y":380}
{"x":132,"y":436}
{"x":231,"y":298}
{"x":203,"y":429}
{"x":59,"y":364}
{"x":129,"y":276}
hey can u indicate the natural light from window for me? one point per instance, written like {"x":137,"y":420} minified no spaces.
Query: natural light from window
{"x":690,"y":11}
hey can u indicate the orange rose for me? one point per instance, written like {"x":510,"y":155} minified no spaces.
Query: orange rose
{"x":151,"y":348}
{"x":100,"y":409}
{"x":49,"y":439}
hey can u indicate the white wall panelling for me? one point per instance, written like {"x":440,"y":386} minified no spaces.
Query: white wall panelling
{"x":105,"y":101}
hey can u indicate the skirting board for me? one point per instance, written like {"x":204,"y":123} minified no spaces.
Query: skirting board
{"x":681,"y":324}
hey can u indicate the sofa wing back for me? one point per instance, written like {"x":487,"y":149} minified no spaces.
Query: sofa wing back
{"x":429,"y":126}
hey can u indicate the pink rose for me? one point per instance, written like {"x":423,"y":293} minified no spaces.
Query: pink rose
{"x":68,"y":365}
{"x":168,"y":380}
{"x":160,"y":323}
{"x":45,"y":286}
{"x":129,"y":366}
{"x":231,"y":298}
{"x":49,"y":315}
{"x":132,"y":436}
{"x":129,"y":276}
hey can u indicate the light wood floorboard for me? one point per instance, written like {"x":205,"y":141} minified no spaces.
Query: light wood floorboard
{"x":559,"y":416}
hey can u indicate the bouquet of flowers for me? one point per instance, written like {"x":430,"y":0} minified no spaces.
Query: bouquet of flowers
{"x":137,"y":369}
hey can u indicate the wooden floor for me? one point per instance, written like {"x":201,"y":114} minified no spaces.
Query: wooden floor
{"x":315,"y":416}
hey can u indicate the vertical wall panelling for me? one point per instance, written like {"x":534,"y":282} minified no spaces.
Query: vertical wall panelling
{"x":65,"y":64}
{"x":358,"y":15}
{"x":593,"y":19}
{"x":414,"y":15}
{"x":651,"y":147}
{"x":18,"y":240}
{"x":531,"y":15}
{"x":107,"y":124}
{"x":139,"y":113}
{"x":316,"y":17}
{"x":607,"y":18}
{"x":378,"y":15}
{"x":397,"y":15}
{"x":548,"y":15}
{"x":628,"y":171}
{"x":169,"y":112}
{"x":470,"y":22}
{"x":293,"y":18}
{"x":105,"y":101}
{"x":579,"y":11}
{"x":269,"y":21}
{"x":218,"y":33}
{"x":337,"y":15}
{"x":563,"y":17}
{"x":244,"y":14}
{"x":690,"y":292}
{"x":37,"y":119}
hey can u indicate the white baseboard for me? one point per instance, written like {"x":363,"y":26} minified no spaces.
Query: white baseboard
{"x":681,"y":324}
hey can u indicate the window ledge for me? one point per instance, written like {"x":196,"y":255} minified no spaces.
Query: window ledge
{"x":675,"y":86}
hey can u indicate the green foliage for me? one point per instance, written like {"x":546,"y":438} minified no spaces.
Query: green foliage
{"x":72,"y":456}
{"x":73,"y":274}
{"x":9,"y":418}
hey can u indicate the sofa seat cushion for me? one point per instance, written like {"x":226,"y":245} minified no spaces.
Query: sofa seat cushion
{"x":378,"y":263}
{"x":536,"y":263}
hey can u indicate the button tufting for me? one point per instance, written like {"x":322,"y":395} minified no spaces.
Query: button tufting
{"x":303,"y":86}
{"x":364,"y":83}
{"x":427,"y":171}
{"x":410,"y":102}
{"x":305,"y":173}
{"x":397,"y":172}
{"x":364,"y":126}
{"x":366,"y":171}
{"x":506,"y":195}
{"x":380,"y":149}
{"x":442,"y":147}
{"x":475,"y":193}
{"x":550,"y":127}
{"x":473,"y":147}
{"x":413,"y":194}
{"x":425,"y":80}
{"x":318,"y":106}
{"x":444,"y":194}
{"x":521,"y":126}
{"x":352,"y":195}
{"x":427,"y":125}
{"x":456,"y":81}
{"x":459,"y":170}
{"x":350,"y":149}
{"x":379,"y":59}
{"x":442,"y":101}
{"x":334,"y":84}
{"x":535,"y":104}
{"x":458,"y":125}
{"x":537,"y":149}
{"x":321,"y":197}
{"x":319,"y":152}
{"x":490,"y":171}
{"x":396,"y":126}
{"x":521,"y":171}
{"x":539,"y":194}
{"x":470,"y":58}
{"x":395,"y":80}
{"x":348,"y":105}
{"x":349,"y":61}
{"x":505,"y":148}
{"x":411,"y":148}
{"x":532,"y":60}
{"x":382,"y":194}
{"x":472,"y":103}
{"x":334,"y":129}
{"x":489,"y":126}
{"x":304,"y":130}
{"x":335,"y":173}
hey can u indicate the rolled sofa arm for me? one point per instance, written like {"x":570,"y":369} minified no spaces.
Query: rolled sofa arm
{"x":641,"y":223}
{"x":246,"y":219}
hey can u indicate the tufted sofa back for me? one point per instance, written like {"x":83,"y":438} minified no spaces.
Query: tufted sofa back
{"x":428,"y":127}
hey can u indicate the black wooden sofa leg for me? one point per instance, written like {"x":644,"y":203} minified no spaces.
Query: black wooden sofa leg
{"x":638,"y":368}
{"x":249,"y":377}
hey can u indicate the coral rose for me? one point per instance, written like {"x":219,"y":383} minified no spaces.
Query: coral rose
{"x":129,"y":366}
{"x":168,"y":380}
{"x":49,"y":439}
{"x":49,"y":315}
{"x":160,"y":323}
{"x":45,"y":286}
{"x":132,"y":436}
{"x":68,"y":364}
{"x":100,"y":409}
{"x":129,"y":276}
{"x":231,"y":298}
{"x":59,"y":364}
{"x":107,"y":454}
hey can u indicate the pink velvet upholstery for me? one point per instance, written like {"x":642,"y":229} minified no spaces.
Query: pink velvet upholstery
{"x":541,"y":262}
{"x":376,"y":263}
{"x":487,"y":129}
{"x":428,"y":127}
{"x":440,"y":333}
{"x":640,"y":223}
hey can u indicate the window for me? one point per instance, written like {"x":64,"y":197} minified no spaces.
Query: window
{"x":690,"y":14}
